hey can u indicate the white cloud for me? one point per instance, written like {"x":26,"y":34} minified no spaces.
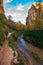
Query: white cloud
{"x":20,"y":7}
{"x":7,"y":1}
{"x":18,"y":13}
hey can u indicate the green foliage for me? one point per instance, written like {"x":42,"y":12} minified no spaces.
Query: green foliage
{"x":35,"y":37}
{"x":5,"y":25}
{"x":8,"y":24}
{"x":2,"y":18}
{"x":11,"y":43}
{"x":19,"y":26}
{"x":1,"y":39}
{"x":17,"y":34}
{"x":14,"y":54}
{"x":21,"y":62}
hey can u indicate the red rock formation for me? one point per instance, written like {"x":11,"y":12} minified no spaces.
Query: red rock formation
{"x":32,"y":13}
{"x":1,"y":7}
{"x":6,"y":54}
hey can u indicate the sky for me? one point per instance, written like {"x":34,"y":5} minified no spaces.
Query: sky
{"x":18,"y":9}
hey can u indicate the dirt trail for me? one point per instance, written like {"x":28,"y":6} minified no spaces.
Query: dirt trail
{"x":26,"y":60}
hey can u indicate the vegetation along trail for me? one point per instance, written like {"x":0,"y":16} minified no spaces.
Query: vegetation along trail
{"x":22,"y":48}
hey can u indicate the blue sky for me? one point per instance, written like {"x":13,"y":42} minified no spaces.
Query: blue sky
{"x":11,"y":3}
{"x":18,"y":9}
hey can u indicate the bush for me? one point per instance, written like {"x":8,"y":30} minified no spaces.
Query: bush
{"x":11,"y":43}
{"x":17,"y":34}
{"x":1,"y":39}
{"x":21,"y":62}
{"x":35,"y":37}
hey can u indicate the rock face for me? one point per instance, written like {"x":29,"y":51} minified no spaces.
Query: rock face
{"x":1,"y":7}
{"x":32,"y":13}
{"x":6,"y":54}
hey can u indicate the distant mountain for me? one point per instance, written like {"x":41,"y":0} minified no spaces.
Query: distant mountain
{"x":33,"y":11}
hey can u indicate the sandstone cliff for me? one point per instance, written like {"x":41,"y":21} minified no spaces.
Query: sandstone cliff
{"x":33,"y":11}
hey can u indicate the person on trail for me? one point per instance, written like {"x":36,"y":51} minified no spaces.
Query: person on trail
{"x":6,"y":33}
{"x":6,"y":52}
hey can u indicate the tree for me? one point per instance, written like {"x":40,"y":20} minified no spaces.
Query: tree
{"x":19,"y":26}
{"x":10,"y":17}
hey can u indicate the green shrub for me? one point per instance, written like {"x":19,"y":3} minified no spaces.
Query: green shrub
{"x":17,"y":34}
{"x":11,"y":43}
{"x":1,"y":39}
{"x":21,"y":62}
{"x":35,"y":37}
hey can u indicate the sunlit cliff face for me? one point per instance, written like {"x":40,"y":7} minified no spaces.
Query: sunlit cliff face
{"x":36,"y":4}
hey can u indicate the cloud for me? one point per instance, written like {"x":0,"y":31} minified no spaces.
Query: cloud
{"x":18,"y":13}
{"x":20,"y":7}
{"x":7,"y":1}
